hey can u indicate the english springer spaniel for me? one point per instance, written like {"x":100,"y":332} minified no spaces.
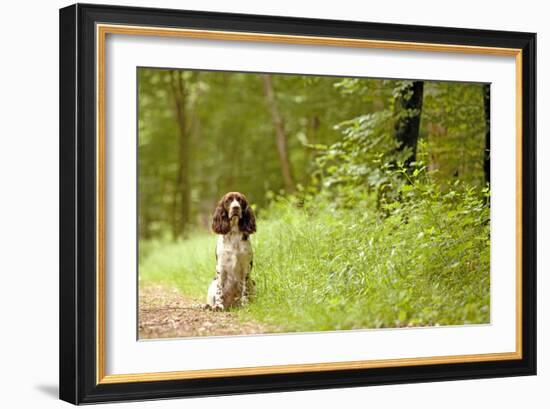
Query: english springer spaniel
{"x":234,"y":221}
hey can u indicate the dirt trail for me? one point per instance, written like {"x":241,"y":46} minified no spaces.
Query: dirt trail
{"x":166,"y":313}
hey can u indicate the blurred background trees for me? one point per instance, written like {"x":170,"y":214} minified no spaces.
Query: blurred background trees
{"x":202,"y":134}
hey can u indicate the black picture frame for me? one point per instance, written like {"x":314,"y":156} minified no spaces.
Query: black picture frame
{"x":78,"y":360}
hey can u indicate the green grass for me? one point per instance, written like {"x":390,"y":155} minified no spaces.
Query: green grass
{"x":189,"y":265}
{"x":321,"y":269}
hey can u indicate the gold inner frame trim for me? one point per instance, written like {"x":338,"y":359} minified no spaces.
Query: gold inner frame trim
{"x":101,"y":33}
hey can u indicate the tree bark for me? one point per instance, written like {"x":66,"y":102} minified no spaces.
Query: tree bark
{"x":487,"y":151}
{"x":280,"y":137}
{"x":182,"y":192}
{"x":408,"y":109}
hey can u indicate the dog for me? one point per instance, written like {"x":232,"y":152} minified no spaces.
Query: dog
{"x":234,"y":221}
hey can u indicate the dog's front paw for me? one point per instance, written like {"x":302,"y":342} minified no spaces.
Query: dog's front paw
{"x":218,"y":307}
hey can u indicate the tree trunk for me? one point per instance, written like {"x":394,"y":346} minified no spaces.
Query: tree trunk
{"x":487,"y":151}
{"x":408,"y":109}
{"x":280,"y":137}
{"x":182,"y":192}
{"x":437,"y":134}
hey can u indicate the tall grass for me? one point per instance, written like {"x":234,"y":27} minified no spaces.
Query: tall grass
{"x":319,"y":268}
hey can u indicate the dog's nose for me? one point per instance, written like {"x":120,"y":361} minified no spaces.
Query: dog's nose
{"x":235,"y":207}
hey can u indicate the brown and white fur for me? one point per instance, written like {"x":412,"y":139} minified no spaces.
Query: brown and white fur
{"x":234,"y":221}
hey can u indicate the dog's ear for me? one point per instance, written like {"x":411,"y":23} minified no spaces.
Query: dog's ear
{"x":220,"y":220}
{"x":247,"y":223}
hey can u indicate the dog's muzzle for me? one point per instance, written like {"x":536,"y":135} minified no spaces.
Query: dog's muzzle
{"x":235,"y":212}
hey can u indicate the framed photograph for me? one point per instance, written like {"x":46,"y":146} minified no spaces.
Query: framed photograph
{"x":257,"y":203}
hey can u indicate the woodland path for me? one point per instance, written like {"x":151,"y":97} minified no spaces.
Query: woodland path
{"x":166,"y":313}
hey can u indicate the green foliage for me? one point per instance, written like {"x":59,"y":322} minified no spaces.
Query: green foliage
{"x":363,"y":242}
{"x":320,"y":268}
{"x":339,"y":131}
{"x":452,"y":130}
{"x":358,"y":164}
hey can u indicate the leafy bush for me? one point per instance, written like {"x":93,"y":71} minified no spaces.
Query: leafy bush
{"x":323,"y":267}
